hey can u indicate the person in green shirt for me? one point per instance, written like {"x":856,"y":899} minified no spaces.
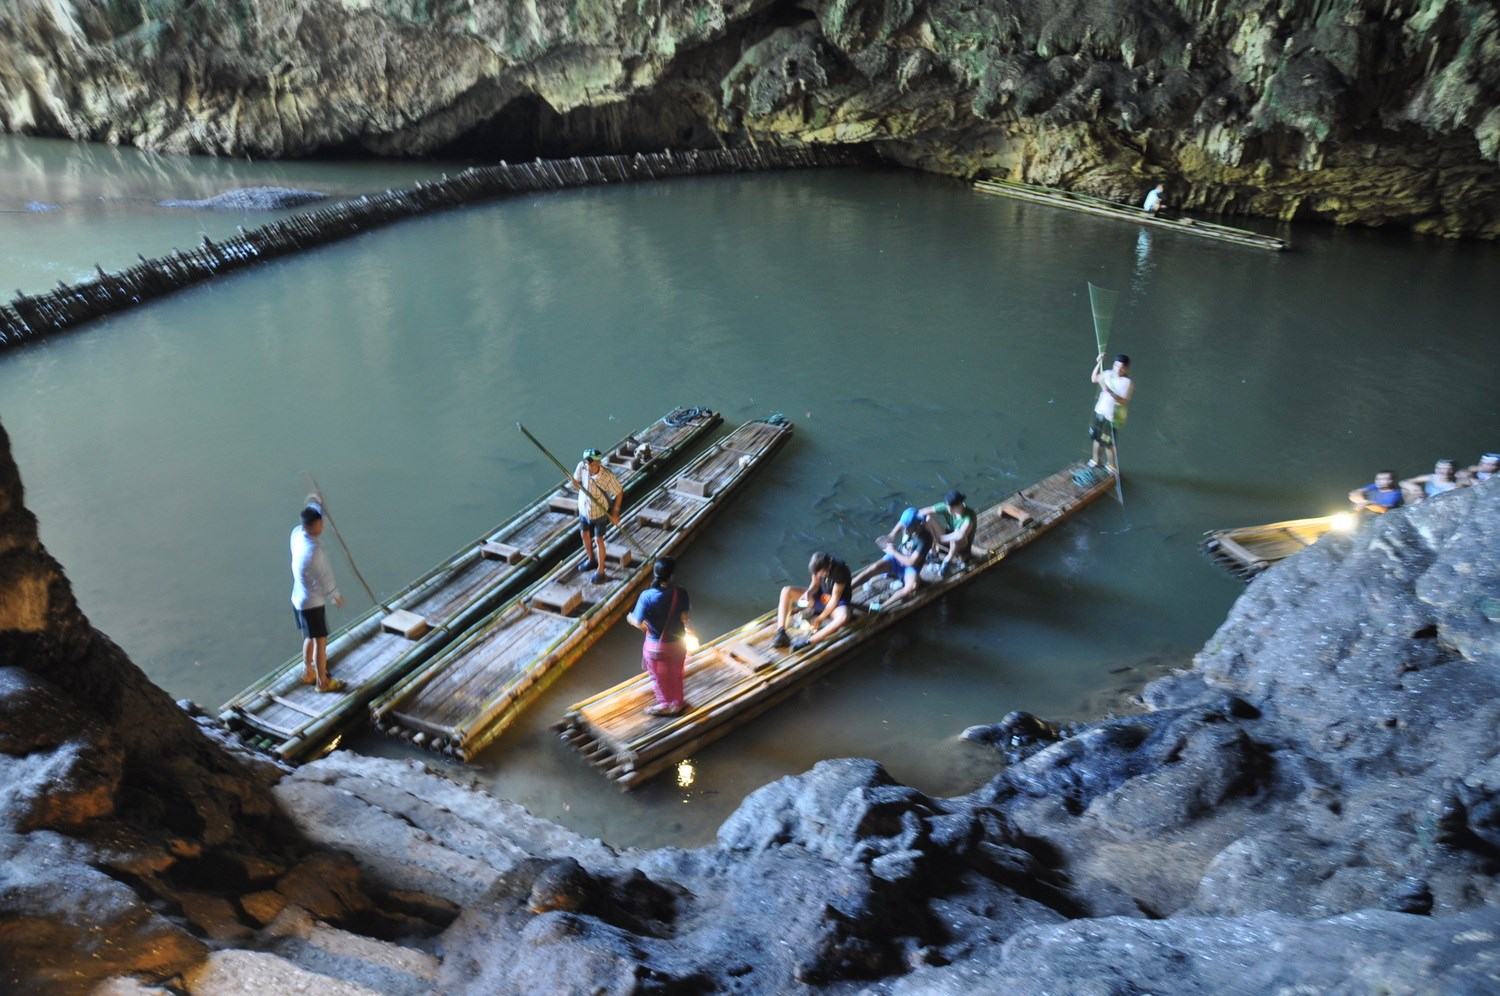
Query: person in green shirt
{"x":957,"y":523}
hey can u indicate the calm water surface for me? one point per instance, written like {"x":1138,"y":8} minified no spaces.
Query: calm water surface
{"x":921,"y":337}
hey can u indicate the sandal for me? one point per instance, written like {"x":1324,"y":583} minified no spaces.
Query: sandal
{"x":661,"y":710}
{"x":309,"y":678}
{"x":334,"y":685}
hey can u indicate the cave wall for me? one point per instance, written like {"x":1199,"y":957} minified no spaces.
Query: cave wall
{"x":1356,"y":111}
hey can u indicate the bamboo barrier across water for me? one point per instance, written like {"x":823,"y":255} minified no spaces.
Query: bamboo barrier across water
{"x":32,"y":316}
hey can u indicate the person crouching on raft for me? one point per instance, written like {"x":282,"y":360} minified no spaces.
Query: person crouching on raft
{"x":662,"y":614}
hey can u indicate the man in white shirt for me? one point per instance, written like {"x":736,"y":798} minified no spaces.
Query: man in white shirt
{"x":1115,"y":390}
{"x":1154,"y":199}
{"x":599,"y":503}
{"x":312,"y":587}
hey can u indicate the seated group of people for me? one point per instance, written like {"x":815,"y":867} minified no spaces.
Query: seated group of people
{"x":1386,"y":493}
{"x":946,"y":529}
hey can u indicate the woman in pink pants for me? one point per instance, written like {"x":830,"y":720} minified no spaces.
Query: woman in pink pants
{"x":662,"y":613}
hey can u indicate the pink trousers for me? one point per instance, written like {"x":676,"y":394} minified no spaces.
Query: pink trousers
{"x":663,"y":662}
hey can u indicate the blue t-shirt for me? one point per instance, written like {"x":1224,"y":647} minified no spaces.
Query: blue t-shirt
{"x":652,"y":608}
{"x":1385,"y":499}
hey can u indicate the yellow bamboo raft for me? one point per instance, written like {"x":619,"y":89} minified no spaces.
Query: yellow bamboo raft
{"x":1247,"y":551}
{"x":1100,"y":207}
{"x":465,"y":697}
{"x":280,"y":714}
{"x":739,"y":675}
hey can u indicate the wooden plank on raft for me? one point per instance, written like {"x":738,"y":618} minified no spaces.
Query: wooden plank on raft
{"x":737,"y":676}
{"x":405,"y":624}
{"x":474,"y":689}
{"x":379,"y":647}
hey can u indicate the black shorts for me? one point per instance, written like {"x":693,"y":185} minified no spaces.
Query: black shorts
{"x":593,"y":527}
{"x":312,"y":622}
{"x":1102,"y":431}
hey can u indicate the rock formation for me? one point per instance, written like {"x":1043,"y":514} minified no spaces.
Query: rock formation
{"x":1314,"y":805}
{"x":1356,"y":111}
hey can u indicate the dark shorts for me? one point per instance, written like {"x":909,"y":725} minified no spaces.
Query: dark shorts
{"x":896,"y":569}
{"x":312,"y":622}
{"x":819,"y":600}
{"x":1102,"y":431}
{"x":593,"y":527}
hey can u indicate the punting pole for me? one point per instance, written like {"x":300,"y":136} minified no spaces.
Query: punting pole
{"x":569,"y":475}
{"x":323,"y":503}
{"x":1102,"y":306}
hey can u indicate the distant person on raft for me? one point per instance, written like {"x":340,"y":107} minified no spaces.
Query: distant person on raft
{"x":1115,"y":390}
{"x":906,"y":548}
{"x":1487,"y":467}
{"x":1381,"y":496}
{"x":1156,"y":199}
{"x":1444,"y":478}
{"x":312,"y":587}
{"x":956,"y":523}
{"x":827,"y":595}
{"x":662,"y":614}
{"x":599,"y":500}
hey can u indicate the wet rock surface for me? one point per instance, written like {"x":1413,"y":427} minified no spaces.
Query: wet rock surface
{"x":1313,"y":806}
{"x":1358,"y":112}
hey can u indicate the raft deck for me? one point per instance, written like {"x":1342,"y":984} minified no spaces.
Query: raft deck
{"x":1247,"y":551}
{"x":462,"y":699}
{"x":294,"y":721}
{"x":1100,"y":207}
{"x":740,"y":674}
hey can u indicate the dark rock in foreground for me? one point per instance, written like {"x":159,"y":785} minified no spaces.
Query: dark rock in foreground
{"x":251,"y":199}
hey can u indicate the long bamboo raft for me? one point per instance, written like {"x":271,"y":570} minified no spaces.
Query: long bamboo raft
{"x":1247,"y":551}
{"x":282,"y":715}
{"x":740,"y":675}
{"x":1112,"y":209}
{"x":464,"y":698}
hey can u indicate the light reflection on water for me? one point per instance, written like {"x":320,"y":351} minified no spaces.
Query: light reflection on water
{"x":921,"y":337}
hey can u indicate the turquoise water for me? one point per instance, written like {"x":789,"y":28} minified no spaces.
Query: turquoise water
{"x":920,"y":335}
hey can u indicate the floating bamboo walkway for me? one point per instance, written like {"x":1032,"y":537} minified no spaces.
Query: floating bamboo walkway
{"x":739,"y":675}
{"x":1247,"y":551}
{"x":282,"y":715}
{"x":1111,"y":209}
{"x":31,"y":316}
{"x":465,"y":697}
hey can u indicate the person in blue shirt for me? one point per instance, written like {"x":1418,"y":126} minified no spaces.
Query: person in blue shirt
{"x":906,"y":548}
{"x":662,"y":614}
{"x":1381,"y":496}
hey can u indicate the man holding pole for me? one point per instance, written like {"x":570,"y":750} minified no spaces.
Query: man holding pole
{"x":312,"y":587}
{"x":599,"y":499}
{"x":1115,"y":390}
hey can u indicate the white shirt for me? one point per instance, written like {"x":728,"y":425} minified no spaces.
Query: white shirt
{"x":1152,"y":200}
{"x":312,"y":574}
{"x":591,"y":503}
{"x":1117,"y":383}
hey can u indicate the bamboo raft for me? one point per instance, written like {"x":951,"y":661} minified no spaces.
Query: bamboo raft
{"x":1112,"y":209}
{"x":739,"y":675}
{"x":464,"y":698}
{"x":1247,"y":551}
{"x":282,"y":715}
{"x":31,"y":316}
